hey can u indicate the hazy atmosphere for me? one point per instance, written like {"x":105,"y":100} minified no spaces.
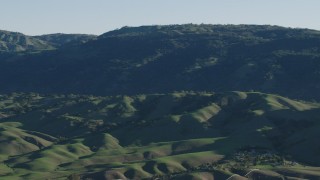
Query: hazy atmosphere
{"x":36,"y":17}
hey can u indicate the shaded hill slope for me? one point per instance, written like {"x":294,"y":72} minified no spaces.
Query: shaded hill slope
{"x":152,"y":59}
{"x":158,"y":135}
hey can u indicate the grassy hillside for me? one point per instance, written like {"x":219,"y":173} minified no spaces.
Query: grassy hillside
{"x":103,"y":108}
{"x":181,"y":135}
{"x":161,"y":59}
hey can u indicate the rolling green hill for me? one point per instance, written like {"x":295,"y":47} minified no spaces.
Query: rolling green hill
{"x":162,"y":59}
{"x":178,"y":135}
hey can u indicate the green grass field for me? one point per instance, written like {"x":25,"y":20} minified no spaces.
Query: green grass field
{"x":191,"y":135}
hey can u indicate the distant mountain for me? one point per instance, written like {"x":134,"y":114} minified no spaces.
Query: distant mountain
{"x":58,"y":40}
{"x":152,"y":59}
{"x":13,"y":42}
{"x":183,"y":134}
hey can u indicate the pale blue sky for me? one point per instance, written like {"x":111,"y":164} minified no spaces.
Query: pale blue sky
{"x":35,"y":17}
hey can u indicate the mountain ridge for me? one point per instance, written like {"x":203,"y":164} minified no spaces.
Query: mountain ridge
{"x":177,"y":57}
{"x":61,"y":39}
{"x":18,"y":42}
{"x":15,"y":42}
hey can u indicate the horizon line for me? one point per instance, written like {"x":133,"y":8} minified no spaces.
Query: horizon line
{"x":150,"y":25}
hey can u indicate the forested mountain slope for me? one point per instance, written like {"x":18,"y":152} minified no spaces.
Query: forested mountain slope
{"x":153,"y":59}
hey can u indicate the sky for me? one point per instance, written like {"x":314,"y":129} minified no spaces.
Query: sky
{"x":36,"y":17}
